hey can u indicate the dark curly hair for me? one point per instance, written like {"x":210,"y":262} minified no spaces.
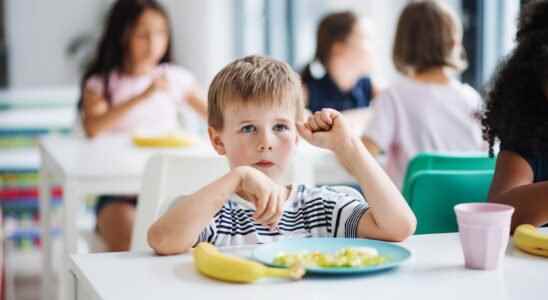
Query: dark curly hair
{"x":517,"y":95}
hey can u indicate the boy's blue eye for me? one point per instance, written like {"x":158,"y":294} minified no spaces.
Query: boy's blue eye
{"x":248,"y":129}
{"x":280,"y":127}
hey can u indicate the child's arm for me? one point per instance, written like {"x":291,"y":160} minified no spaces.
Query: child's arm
{"x":178,"y":229}
{"x":98,"y":116}
{"x":513,"y":185}
{"x":195,"y":98}
{"x":389,"y":217}
{"x":371,"y":146}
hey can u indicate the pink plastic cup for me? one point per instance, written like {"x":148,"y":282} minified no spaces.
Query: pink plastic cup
{"x":484,"y":230}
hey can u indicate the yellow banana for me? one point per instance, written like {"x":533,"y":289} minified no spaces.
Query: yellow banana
{"x":212,"y":263}
{"x":529,"y":239}
{"x":170,"y":140}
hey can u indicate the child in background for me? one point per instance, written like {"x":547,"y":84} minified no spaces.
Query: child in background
{"x":131,"y":85}
{"x":340,"y":75}
{"x":426,"y":110}
{"x":255,"y":106}
{"x":516,"y":114}
{"x":338,"y":78}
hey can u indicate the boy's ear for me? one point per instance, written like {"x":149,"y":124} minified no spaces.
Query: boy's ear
{"x":215,"y":139}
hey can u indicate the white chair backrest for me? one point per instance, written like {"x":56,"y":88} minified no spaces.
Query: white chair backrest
{"x":166,"y":177}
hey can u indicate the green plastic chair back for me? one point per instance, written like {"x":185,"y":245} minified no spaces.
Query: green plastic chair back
{"x":445,"y":161}
{"x":433,"y":194}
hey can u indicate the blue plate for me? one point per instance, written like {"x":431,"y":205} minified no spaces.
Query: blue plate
{"x":395,"y":254}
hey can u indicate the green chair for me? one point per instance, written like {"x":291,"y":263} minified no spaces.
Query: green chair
{"x":445,"y":161}
{"x":433,"y":194}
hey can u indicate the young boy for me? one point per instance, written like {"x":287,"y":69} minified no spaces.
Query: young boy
{"x":255,"y":105}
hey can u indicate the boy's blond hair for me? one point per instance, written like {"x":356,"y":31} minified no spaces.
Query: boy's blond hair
{"x":253,"y":79}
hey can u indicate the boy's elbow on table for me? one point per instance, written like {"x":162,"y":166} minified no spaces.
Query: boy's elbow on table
{"x":162,"y":242}
{"x":407,"y":229}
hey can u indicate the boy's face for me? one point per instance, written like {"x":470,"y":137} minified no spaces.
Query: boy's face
{"x":261,"y":136}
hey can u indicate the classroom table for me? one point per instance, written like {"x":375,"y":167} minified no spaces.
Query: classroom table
{"x":435,"y":271}
{"x":113,"y":165}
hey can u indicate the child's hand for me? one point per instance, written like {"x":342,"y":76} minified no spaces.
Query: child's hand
{"x":326,"y":129}
{"x":158,"y":84}
{"x":267,"y":196}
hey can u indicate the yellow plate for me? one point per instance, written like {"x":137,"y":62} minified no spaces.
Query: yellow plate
{"x":162,"y":141}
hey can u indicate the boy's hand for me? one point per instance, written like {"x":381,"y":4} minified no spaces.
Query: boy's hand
{"x":326,"y":129}
{"x":267,"y":196}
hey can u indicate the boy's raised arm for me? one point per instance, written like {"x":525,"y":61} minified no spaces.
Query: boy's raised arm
{"x":389,"y":217}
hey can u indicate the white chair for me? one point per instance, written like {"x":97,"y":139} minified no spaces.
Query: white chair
{"x":166,"y":177}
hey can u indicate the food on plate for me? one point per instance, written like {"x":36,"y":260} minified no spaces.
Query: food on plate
{"x":344,"y":258}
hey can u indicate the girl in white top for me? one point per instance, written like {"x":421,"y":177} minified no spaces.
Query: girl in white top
{"x":131,"y":86}
{"x":426,"y":110}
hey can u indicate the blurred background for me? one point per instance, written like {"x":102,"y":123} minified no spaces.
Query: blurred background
{"x":44,"y":46}
{"x":45,"y":43}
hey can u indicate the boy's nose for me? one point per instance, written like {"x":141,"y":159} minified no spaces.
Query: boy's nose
{"x":263,"y":148}
{"x":264,"y":141}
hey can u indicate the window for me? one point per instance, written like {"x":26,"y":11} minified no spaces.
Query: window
{"x":489,"y":30}
{"x":263,"y":27}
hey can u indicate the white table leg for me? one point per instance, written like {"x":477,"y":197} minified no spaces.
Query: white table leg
{"x":44,"y":189}
{"x":71,"y":202}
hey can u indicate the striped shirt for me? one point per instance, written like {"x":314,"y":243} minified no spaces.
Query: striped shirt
{"x":308,"y":212}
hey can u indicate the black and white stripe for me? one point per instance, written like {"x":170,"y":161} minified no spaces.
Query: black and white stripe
{"x":309,"y":212}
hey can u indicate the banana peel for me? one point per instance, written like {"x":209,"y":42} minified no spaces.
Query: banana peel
{"x":210,"y":262}
{"x":162,"y":141}
{"x":528,"y":239}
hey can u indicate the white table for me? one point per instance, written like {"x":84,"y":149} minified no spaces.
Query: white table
{"x":435,"y":271}
{"x":107,"y":165}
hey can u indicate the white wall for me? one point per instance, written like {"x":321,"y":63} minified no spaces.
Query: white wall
{"x":204,"y":35}
{"x":40,"y":31}
{"x":385,"y":18}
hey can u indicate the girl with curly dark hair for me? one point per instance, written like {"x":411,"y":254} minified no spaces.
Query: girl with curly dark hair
{"x":517,"y":116}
